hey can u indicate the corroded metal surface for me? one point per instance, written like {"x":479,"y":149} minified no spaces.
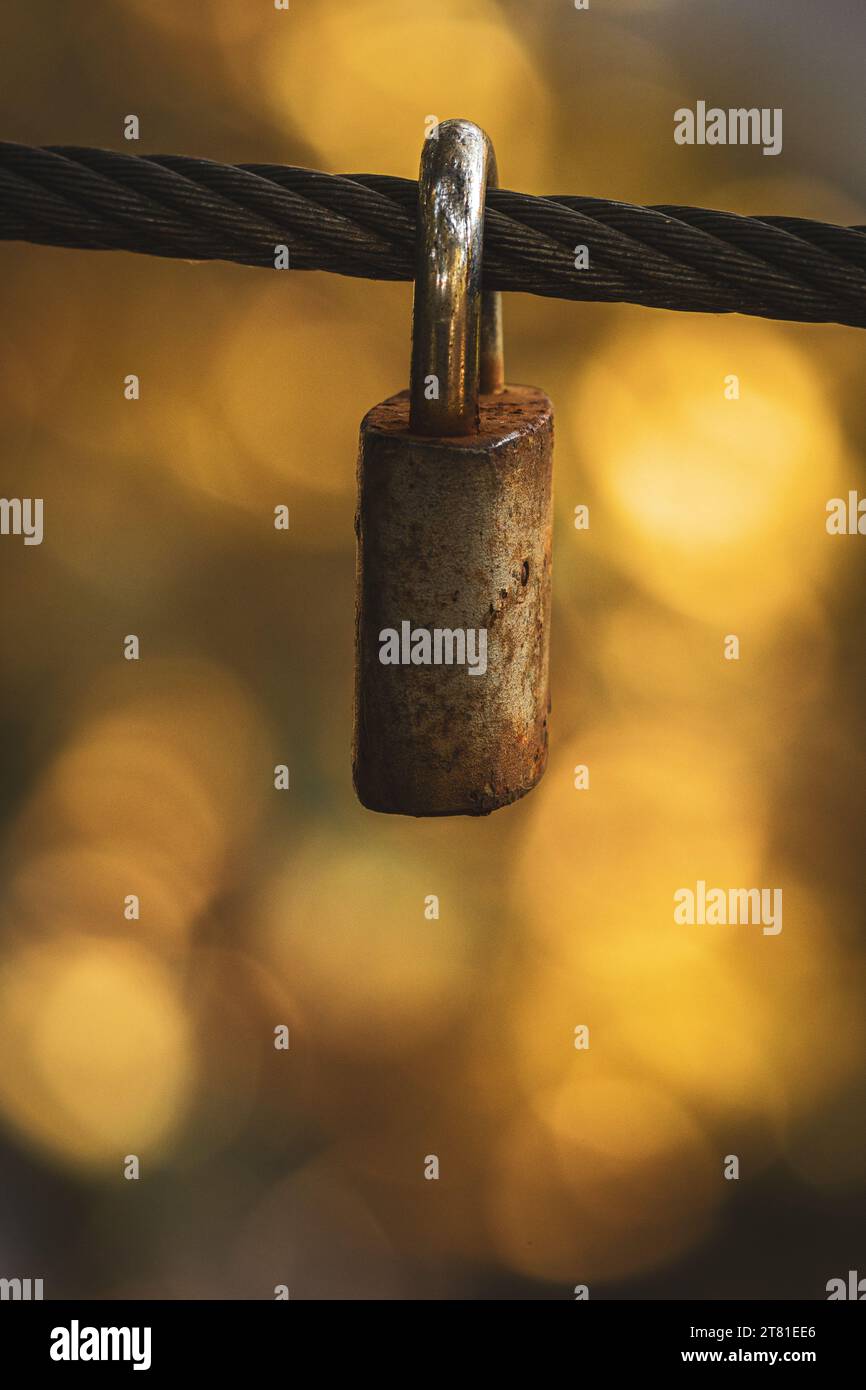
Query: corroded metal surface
{"x":454,"y":534}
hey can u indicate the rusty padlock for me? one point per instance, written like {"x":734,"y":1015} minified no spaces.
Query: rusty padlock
{"x":454,"y":534}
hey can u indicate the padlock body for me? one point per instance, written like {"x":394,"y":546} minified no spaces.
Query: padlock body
{"x":454,"y":541}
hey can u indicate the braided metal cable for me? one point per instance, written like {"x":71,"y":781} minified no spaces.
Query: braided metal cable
{"x":667,"y":257}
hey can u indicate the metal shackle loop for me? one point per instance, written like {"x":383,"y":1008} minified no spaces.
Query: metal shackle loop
{"x":456,"y":331}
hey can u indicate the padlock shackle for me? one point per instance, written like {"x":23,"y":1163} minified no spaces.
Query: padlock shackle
{"x":456,"y":330}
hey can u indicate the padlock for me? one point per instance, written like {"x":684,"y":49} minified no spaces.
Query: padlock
{"x":453,"y":528}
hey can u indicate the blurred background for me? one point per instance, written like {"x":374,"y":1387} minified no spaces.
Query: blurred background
{"x":411,"y":1037}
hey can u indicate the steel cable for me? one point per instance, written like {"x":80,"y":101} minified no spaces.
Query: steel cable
{"x":670,"y":257}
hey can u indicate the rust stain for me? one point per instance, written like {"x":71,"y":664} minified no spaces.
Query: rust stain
{"x":454,"y":533}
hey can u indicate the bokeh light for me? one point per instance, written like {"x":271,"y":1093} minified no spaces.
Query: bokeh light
{"x":99,"y":1059}
{"x":698,"y":487}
